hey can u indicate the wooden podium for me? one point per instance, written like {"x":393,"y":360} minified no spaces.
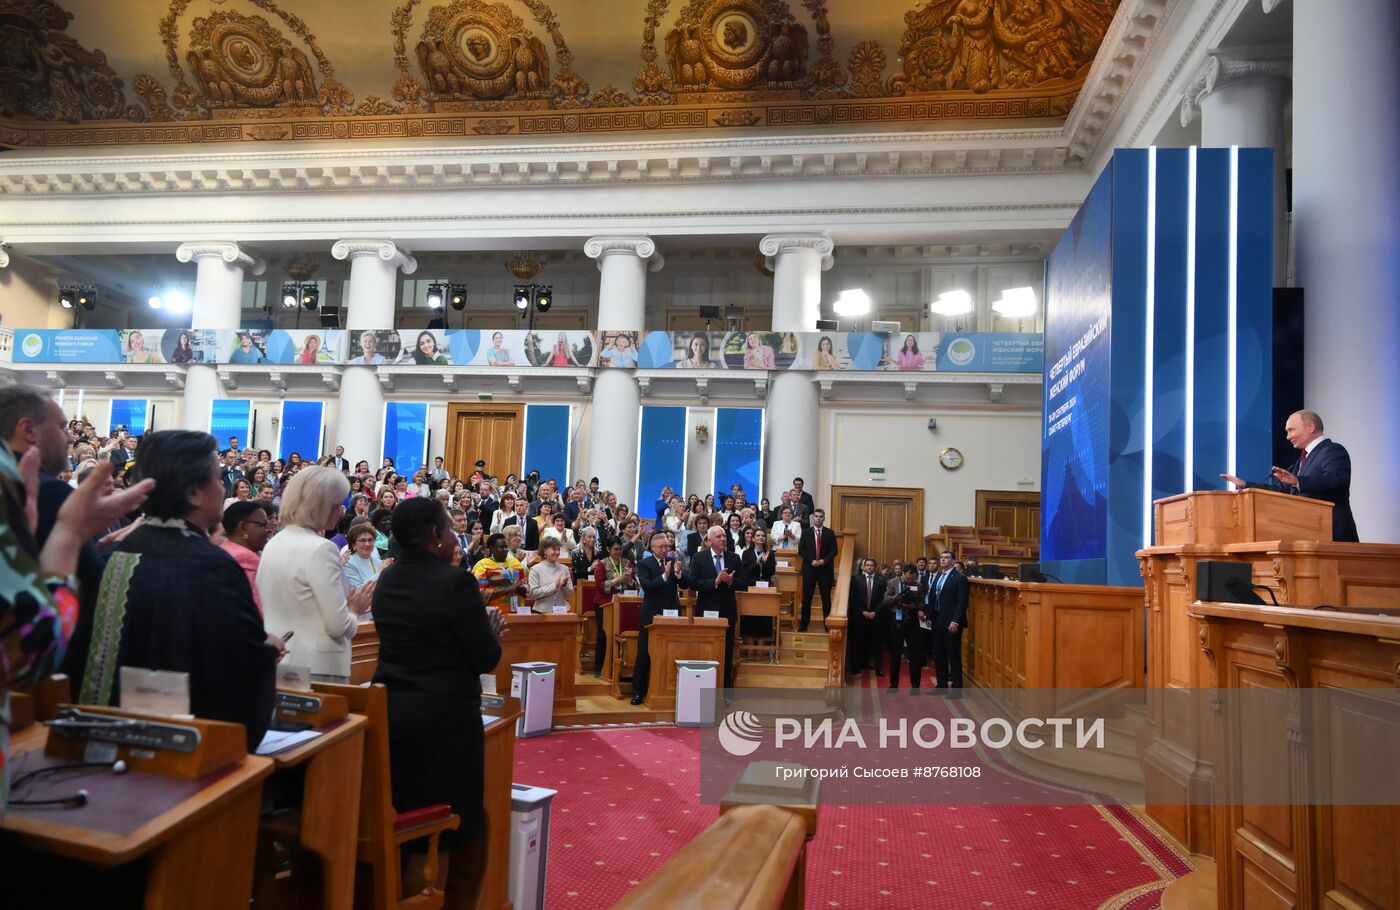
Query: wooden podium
{"x":551,"y":637}
{"x":1192,"y":528}
{"x":673,"y":638}
{"x":1222,"y":516}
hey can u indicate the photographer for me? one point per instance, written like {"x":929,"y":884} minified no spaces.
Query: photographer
{"x":901,"y":608}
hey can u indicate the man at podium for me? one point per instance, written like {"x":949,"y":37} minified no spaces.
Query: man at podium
{"x":1322,"y":471}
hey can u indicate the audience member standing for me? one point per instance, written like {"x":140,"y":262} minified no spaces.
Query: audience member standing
{"x":659,"y":577}
{"x":948,"y":596}
{"x":818,"y":552}
{"x":550,"y":581}
{"x":901,"y":607}
{"x":245,"y":535}
{"x":868,"y":629}
{"x":301,"y":579}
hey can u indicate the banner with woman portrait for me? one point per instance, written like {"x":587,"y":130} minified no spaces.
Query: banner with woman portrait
{"x":141,"y":346}
{"x":560,"y":349}
{"x":190,"y":345}
{"x":618,"y":349}
{"x":304,"y":347}
{"x":424,"y":348}
{"x":681,"y":351}
{"x":372,"y":347}
{"x":760,"y":350}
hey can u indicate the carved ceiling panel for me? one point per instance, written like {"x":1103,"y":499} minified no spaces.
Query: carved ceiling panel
{"x":238,"y":70}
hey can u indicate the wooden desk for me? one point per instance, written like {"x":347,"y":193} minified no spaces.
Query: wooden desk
{"x":1224,"y":516}
{"x":551,"y":637}
{"x":364,"y":653}
{"x":328,"y":823}
{"x":488,"y":868}
{"x":760,"y":602}
{"x":673,"y":638}
{"x":196,"y":836}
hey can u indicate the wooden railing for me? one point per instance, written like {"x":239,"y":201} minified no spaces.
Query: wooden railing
{"x":840,"y":595}
{"x":753,"y":857}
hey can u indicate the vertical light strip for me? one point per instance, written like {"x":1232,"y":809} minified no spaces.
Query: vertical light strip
{"x":762,"y":441}
{"x":60,"y":399}
{"x":80,"y":406}
{"x":1231,"y":303}
{"x":282,"y":428}
{"x":685,"y":453}
{"x":1149,"y":320}
{"x":525,"y":442}
{"x":1190,"y":455}
{"x":321,"y":436}
{"x":422,"y":459}
{"x":569,"y":445}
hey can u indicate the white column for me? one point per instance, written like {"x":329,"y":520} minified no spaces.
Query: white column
{"x":218,"y":303}
{"x":1240,"y":95}
{"x":1346,"y":195}
{"x":360,"y":427}
{"x":369,"y":304}
{"x":622,"y":287}
{"x":374,"y":278}
{"x":791,"y":415}
{"x":615,"y":430}
{"x":797,"y":261}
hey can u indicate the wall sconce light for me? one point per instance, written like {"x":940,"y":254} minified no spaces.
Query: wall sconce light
{"x":702,"y":433}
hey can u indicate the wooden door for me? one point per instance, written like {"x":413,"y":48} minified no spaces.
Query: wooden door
{"x":888,"y":521}
{"x":1015,"y":512}
{"x":494,"y":433}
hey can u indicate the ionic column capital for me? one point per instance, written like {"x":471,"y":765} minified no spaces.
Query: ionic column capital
{"x":821,"y":244}
{"x":643,"y":248}
{"x":1227,"y":66}
{"x":226,"y":250}
{"x":384,"y":250}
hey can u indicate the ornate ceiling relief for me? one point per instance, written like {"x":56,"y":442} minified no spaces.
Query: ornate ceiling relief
{"x":46,"y":75}
{"x":251,"y":71}
{"x":241,"y":62}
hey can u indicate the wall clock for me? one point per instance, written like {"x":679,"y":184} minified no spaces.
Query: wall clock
{"x":950,"y":458}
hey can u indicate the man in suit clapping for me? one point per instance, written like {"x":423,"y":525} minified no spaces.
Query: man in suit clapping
{"x":714,"y":576}
{"x":658,"y":573}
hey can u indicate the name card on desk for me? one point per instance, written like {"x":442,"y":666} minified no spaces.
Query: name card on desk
{"x":294,"y":676}
{"x":156,"y":691}
{"x":488,"y":684}
{"x":784,"y":564}
{"x":760,"y":584}
{"x":522,"y":610}
{"x":561,"y":608}
{"x":711,"y":614}
{"x":670,"y":612}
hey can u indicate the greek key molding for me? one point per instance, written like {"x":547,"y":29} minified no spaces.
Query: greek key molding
{"x":385,"y":250}
{"x":1231,"y":66}
{"x":226,"y":250}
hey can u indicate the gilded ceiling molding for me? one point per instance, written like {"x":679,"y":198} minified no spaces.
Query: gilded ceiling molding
{"x":46,"y":75}
{"x":1227,"y":66}
{"x":226,"y":250}
{"x":384,"y":250}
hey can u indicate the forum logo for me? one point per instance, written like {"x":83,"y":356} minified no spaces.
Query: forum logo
{"x":32,"y":345}
{"x":740,"y":733}
{"x":961,"y":352}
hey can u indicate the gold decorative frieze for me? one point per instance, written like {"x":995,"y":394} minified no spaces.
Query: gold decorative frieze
{"x":469,"y":68}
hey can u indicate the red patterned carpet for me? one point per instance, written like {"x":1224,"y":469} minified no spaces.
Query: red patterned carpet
{"x":628,"y":800}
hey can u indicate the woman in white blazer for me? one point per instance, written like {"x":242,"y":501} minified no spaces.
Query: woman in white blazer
{"x":301,"y":581}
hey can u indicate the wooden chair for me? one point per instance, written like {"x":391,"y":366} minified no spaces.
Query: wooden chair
{"x":1002,"y":549}
{"x":382,"y":829}
{"x":990,"y":534}
{"x":624,"y":640}
{"x":978,"y":550}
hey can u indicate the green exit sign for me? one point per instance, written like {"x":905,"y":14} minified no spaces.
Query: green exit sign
{"x":876,"y":470}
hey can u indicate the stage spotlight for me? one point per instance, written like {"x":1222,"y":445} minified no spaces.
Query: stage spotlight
{"x":68,"y":297}
{"x":522,"y":297}
{"x":457,"y":296}
{"x":291,"y":294}
{"x":154,"y":302}
{"x":177,"y":302}
{"x":852,"y":302}
{"x":310,"y":296}
{"x":87,"y":297}
{"x":544,"y":298}
{"x":952,"y":303}
{"x":1015,"y":303}
{"x":436,"y":294}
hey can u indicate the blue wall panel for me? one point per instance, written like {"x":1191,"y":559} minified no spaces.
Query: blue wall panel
{"x":406,"y":435}
{"x":1254,"y":302}
{"x":547,"y":435}
{"x":1212,"y":282}
{"x":130,"y":413}
{"x":1169,"y":329}
{"x":739,"y":451}
{"x":231,"y":417}
{"x":660,"y":455}
{"x":300,"y":431}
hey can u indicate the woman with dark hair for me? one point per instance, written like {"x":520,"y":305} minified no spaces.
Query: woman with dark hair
{"x":183,"y":353}
{"x":425,"y":351}
{"x":697,"y":353}
{"x":172,"y":600}
{"x":909,"y":357}
{"x":826,"y":355}
{"x":436,"y":638}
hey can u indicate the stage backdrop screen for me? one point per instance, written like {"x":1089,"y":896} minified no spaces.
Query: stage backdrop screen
{"x":406,"y":435}
{"x":1074,"y":441}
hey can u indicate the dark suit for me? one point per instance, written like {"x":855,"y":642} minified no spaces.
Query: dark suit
{"x":816,"y":577}
{"x":340,"y":464}
{"x":902,"y":619}
{"x":806,"y":499}
{"x":658,"y":594}
{"x":52,"y":494}
{"x":948,"y":603}
{"x":530,"y":537}
{"x":710,"y":595}
{"x":868,"y":636}
{"x":435,"y":641}
{"x":1326,"y":475}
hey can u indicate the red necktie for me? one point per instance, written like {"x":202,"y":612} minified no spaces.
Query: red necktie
{"x":1302,"y":460}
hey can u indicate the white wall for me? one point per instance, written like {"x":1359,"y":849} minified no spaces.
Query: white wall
{"x":1001,"y":452}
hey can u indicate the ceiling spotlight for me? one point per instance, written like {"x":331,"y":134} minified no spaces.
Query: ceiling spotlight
{"x":457,"y":296}
{"x":952,"y":303}
{"x":522,"y":297}
{"x":544,"y":297}
{"x":154,"y":301}
{"x":87,"y":297}
{"x":177,"y":302}
{"x":1015,"y":303}
{"x":436,"y":294}
{"x":852,"y":302}
{"x":68,"y":297}
{"x":310,"y":296}
{"x":291,"y":294}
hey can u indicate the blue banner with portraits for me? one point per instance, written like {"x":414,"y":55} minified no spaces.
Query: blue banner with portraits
{"x":991,"y":352}
{"x":67,"y":346}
